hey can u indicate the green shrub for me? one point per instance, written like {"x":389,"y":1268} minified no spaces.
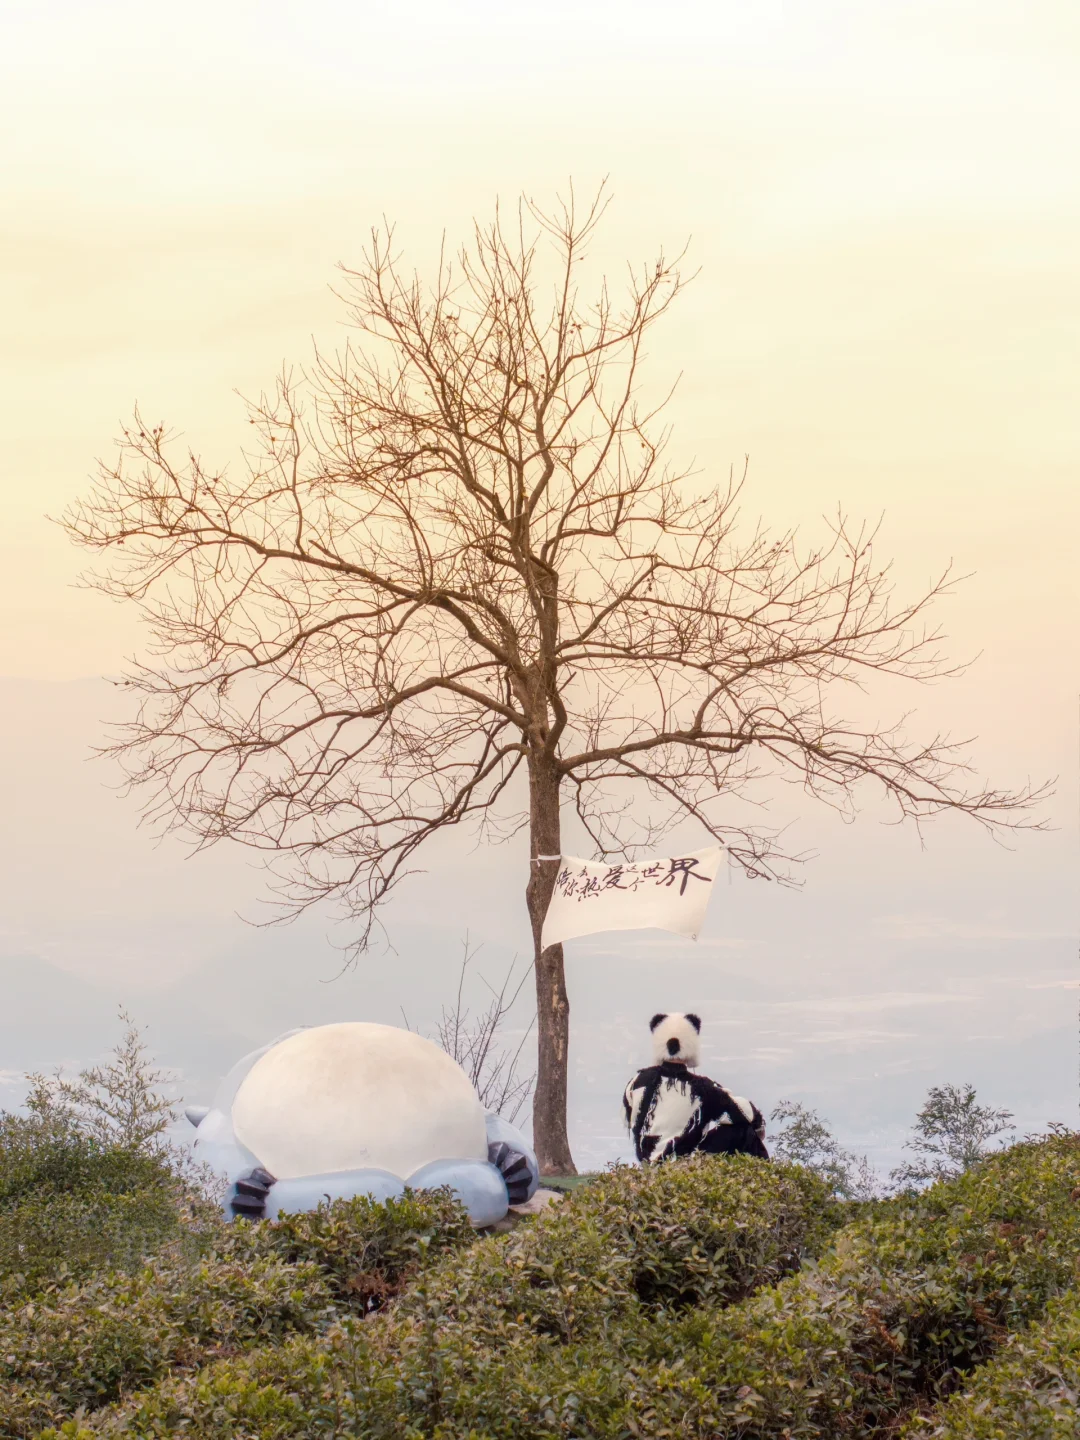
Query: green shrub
{"x":1029,"y":1391}
{"x":906,"y":1303}
{"x":269,"y":1393}
{"x":365,"y":1250}
{"x":47,"y":1155}
{"x":71,"y":1204}
{"x":77,"y":1235}
{"x":706,"y":1231}
{"x":507,"y":1316}
{"x":903,"y":1306}
{"x":86,"y":1345}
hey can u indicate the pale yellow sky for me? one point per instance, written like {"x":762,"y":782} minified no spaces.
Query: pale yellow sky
{"x":883,"y":200}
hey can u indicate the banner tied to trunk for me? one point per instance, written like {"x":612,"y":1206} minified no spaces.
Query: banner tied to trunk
{"x":669,"y":894}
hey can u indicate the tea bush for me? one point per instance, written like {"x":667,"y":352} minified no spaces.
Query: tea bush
{"x":84,"y":1345}
{"x":114,"y":1271}
{"x":707,"y":1231}
{"x":514,"y":1313}
{"x":909,"y":1299}
{"x":906,"y":1302}
{"x":70,"y":1204}
{"x":365,"y":1250}
{"x":1029,"y":1391}
{"x":43,"y":1155}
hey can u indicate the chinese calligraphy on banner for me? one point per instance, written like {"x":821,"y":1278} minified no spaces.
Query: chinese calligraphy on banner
{"x":669,"y":894}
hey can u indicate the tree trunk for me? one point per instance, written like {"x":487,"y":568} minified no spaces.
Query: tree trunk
{"x":552,"y":1006}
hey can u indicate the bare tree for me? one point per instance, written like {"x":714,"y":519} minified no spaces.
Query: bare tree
{"x":459,"y":582}
{"x":474,"y":1041}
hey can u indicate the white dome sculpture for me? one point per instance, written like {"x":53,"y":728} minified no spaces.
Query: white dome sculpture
{"x":357,"y":1108}
{"x":342,"y":1097}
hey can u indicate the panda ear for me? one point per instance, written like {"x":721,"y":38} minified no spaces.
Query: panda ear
{"x":696,"y":1022}
{"x":656,"y":1021}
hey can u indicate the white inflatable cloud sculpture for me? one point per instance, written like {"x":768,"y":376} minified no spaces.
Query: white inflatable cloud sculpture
{"x":357,"y":1109}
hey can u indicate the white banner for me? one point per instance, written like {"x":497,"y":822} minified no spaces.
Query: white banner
{"x":669,"y":894}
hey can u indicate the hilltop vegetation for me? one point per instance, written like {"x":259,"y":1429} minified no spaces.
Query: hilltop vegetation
{"x":716,"y":1297}
{"x":72,"y":1203}
{"x":712,"y":1297}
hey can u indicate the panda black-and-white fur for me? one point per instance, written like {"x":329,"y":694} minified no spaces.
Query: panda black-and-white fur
{"x":670,"y":1111}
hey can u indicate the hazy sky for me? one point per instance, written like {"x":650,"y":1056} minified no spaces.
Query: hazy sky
{"x":884,"y":203}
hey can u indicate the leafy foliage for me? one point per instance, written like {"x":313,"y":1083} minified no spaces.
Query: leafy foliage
{"x":46,"y":1238}
{"x":910,"y":1298}
{"x":635,"y":1248}
{"x":86,"y":1182}
{"x":635,"y":1241}
{"x":1031,"y":1391}
{"x":42,"y":1154}
{"x":71,"y":1205}
{"x":715,"y":1296}
{"x":120,"y":1103}
{"x":365,"y":1250}
{"x":807,"y":1140}
{"x":76,"y":1347}
{"x":84,"y":1345}
{"x":905,"y":1301}
{"x":952,"y":1133}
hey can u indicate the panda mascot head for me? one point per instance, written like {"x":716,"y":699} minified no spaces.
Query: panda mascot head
{"x":676,"y":1038}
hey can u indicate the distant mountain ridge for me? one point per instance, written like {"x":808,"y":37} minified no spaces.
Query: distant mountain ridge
{"x":51,"y":1018}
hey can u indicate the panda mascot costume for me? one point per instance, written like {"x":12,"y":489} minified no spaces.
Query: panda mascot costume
{"x":670,"y":1111}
